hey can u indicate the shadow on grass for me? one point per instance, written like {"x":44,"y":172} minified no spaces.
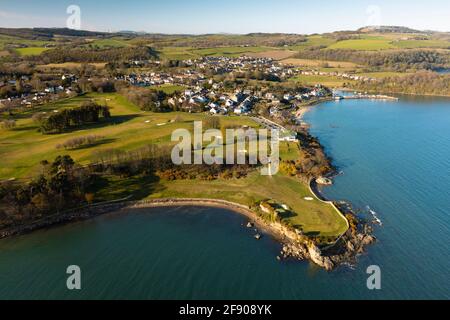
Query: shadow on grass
{"x":114,"y":187}
{"x":101,"y":124}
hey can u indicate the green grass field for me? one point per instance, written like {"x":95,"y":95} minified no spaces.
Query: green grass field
{"x":364,"y":44}
{"x":314,"y":217}
{"x":313,"y":41}
{"x":413,"y":44}
{"x":5,"y":40}
{"x":22,"y":149}
{"x":333,"y":82}
{"x":185,"y":53}
{"x":169,"y":88}
{"x":31,"y":51}
{"x":109,"y":43}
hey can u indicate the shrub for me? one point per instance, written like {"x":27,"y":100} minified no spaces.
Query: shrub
{"x":79,"y":141}
{"x":8,"y":124}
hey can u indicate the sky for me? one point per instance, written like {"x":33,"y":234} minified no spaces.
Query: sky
{"x":228,"y":16}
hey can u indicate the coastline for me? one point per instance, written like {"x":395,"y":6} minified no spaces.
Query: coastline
{"x":396,"y":93}
{"x":295,"y":245}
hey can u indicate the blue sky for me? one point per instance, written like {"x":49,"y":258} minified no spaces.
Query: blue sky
{"x":230,"y":16}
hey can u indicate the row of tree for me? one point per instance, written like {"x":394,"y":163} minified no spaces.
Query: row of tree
{"x":89,"y":112}
{"x":60,"y":186}
{"x":418,"y":83}
{"x":399,"y":61}
{"x":67,"y":54}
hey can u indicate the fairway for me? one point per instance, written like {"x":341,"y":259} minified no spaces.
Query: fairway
{"x":313,"y":217}
{"x":23,"y":148}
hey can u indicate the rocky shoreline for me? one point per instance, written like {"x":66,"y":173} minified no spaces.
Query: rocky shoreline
{"x":294,"y":244}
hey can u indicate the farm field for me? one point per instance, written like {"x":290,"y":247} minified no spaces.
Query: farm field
{"x":364,"y":44}
{"x":108,"y":43}
{"x":313,"y":41}
{"x":333,"y":82}
{"x":31,"y":51}
{"x":318,"y":63}
{"x":413,"y":44}
{"x":274,"y":54}
{"x":68,"y":65}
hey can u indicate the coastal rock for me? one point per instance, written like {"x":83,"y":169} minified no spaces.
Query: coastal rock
{"x":367,"y":240}
{"x":350,"y":246}
{"x":316,"y":257}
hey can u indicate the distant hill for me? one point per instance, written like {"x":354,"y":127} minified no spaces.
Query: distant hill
{"x":49,"y":33}
{"x":388,"y":29}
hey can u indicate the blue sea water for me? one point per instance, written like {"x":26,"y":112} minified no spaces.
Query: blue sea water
{"x":395,"y":158}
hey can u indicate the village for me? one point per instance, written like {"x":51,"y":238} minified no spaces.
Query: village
{"x":209,"y":84}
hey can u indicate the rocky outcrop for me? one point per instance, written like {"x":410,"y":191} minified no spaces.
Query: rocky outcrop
{"x":316,"y":256}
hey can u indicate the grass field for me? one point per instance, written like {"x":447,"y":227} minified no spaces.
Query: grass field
{"x":109,"y":43}
{"x":364,"y":44}
{"x":22,"y":149}
{"x":412,"y":44}
{"x":313,"y":41}
{"x":177,"y":53}
{"x":314,"y":217}
{"x":5,"y":40}
{"x":68,"y":65}
{"x":31,"y":51}
{"x":333,"y":82}
{"x":273,"y":54}
{"x":169,"y":88}
{"x":185,"y":53}
{"x":318,"y":63}
{"x":380,"y":75}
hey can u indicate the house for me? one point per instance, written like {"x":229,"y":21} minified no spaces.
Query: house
{"x":288,"y":97}
{"x":288,"y":136}
{"x":229,"y":103}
